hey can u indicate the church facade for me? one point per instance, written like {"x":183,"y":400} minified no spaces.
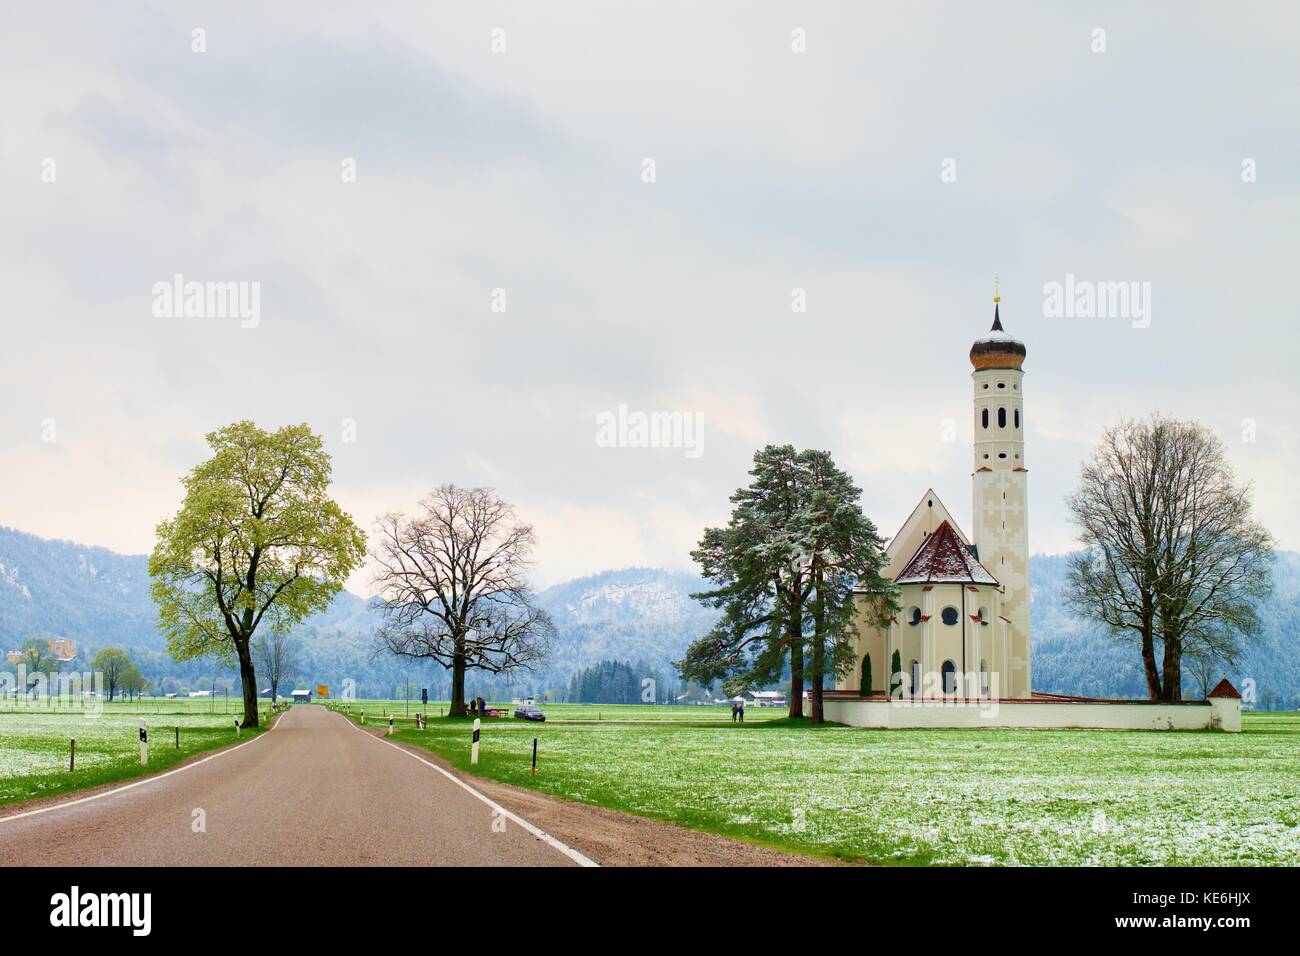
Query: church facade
{"x":962,"y":629}
{"x":961,"y":632}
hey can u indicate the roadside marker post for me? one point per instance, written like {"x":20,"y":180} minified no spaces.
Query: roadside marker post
{"x":144,"y":743}
{"x":236,"y":726}
{"x":72,"y":756}
{"x":178,"y":737}
{"x":473,"y":750}
{"x":390,"y":726}
{"x":534,"y":756}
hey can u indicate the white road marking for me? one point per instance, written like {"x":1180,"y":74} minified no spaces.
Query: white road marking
{"x":138,"y":783}
{"x":536,"y":831}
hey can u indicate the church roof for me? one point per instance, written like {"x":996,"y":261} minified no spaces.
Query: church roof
{"x":1223,"y":689}
{"x":997,"y":349}
{"x":942,"y":559}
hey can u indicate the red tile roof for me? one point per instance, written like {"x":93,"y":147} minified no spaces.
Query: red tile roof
{"x":1224,"y":688}
{"x":942,"y":558}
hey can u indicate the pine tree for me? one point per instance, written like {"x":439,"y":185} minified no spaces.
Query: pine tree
{"x":787,"y":563}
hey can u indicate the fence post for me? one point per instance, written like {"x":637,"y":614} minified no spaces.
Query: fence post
{"x":473,"y":750}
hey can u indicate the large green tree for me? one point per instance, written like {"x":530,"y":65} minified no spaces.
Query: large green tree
{"x":116,"y":667}
{"x":845,"y":555}
{"x":257,"y":542}
{"x":759,"y":576}
{"x":785,"y":567}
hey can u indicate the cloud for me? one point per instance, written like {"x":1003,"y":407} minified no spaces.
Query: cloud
{"x":481,"y":175}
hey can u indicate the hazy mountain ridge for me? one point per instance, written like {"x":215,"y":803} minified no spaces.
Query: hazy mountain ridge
{"x":643,"y":615}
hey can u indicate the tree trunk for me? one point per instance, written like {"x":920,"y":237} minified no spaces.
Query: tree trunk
{"x":794,"y":634}
{"x":248,"y":678}
{"x":1173,"y":671}
{"x":818,"y":652}
{"x":275,"y":687}
{"x":1149,"y":660}
{"x":457,"y":708}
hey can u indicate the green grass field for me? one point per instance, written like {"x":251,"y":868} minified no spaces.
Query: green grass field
{"x":34,"y":743}
{"x":998,"y":797}
{"x":656,"y":713}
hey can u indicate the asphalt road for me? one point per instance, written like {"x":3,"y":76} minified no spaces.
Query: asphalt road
{"x":314,"y":790}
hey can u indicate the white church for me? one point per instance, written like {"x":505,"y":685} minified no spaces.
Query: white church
{"x":961,"y":634}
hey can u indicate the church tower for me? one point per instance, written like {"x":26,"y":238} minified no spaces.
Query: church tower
{"x":999,"y":519}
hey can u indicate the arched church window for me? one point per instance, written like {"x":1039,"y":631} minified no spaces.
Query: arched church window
{"x":949,"y":677}
{"x":950,"y":615}
{"x":914,"y":615}
{"x":1002,"y":418}
{"x":984,"y":418}
{"x":984,"y":678}
{"x":1017,"y":418}
{"x":914,"y":672}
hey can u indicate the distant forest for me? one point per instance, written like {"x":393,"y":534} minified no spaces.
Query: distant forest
{"x":612,"y":631}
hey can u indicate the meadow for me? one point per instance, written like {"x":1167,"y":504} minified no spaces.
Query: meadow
{"x":35,"y":742}
{"x":640,"y":713}
{"x":955,"y":797}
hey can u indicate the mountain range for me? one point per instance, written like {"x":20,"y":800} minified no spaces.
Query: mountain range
{"x":645,"y":616}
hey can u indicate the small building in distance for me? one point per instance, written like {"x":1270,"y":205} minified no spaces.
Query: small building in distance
{"x":300,"y":696}
{"x":61,"y":649}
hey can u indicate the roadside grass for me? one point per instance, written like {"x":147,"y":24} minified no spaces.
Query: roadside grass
{"x":942,"y":797}
{"x":34,"y":747}
{"x":230,"y":706}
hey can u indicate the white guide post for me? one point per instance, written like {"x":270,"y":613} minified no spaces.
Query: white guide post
{"x":144,"y":743}
{"x":390,"y":726}
{"x":473,"y":750}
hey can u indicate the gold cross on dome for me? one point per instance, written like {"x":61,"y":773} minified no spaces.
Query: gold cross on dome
{"x":997,"y":295}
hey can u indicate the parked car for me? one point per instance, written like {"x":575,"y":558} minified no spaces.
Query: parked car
{"x":528,"y":712}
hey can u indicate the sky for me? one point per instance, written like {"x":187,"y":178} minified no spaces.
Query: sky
{"x":477,"y":230}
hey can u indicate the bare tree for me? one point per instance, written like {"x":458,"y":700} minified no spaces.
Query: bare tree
{"x":1204,"y":665}
{"x":1172,"y":556}
{"x":277,"y":656}
{"x":450,"y":584}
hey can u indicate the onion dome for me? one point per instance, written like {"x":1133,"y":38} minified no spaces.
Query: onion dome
{"x":997,"y":349}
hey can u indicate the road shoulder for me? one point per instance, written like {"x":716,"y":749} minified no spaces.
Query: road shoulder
{"x":612,"y":837}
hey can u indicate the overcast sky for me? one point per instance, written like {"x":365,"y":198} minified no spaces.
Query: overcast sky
{"x":1168,"y":158}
